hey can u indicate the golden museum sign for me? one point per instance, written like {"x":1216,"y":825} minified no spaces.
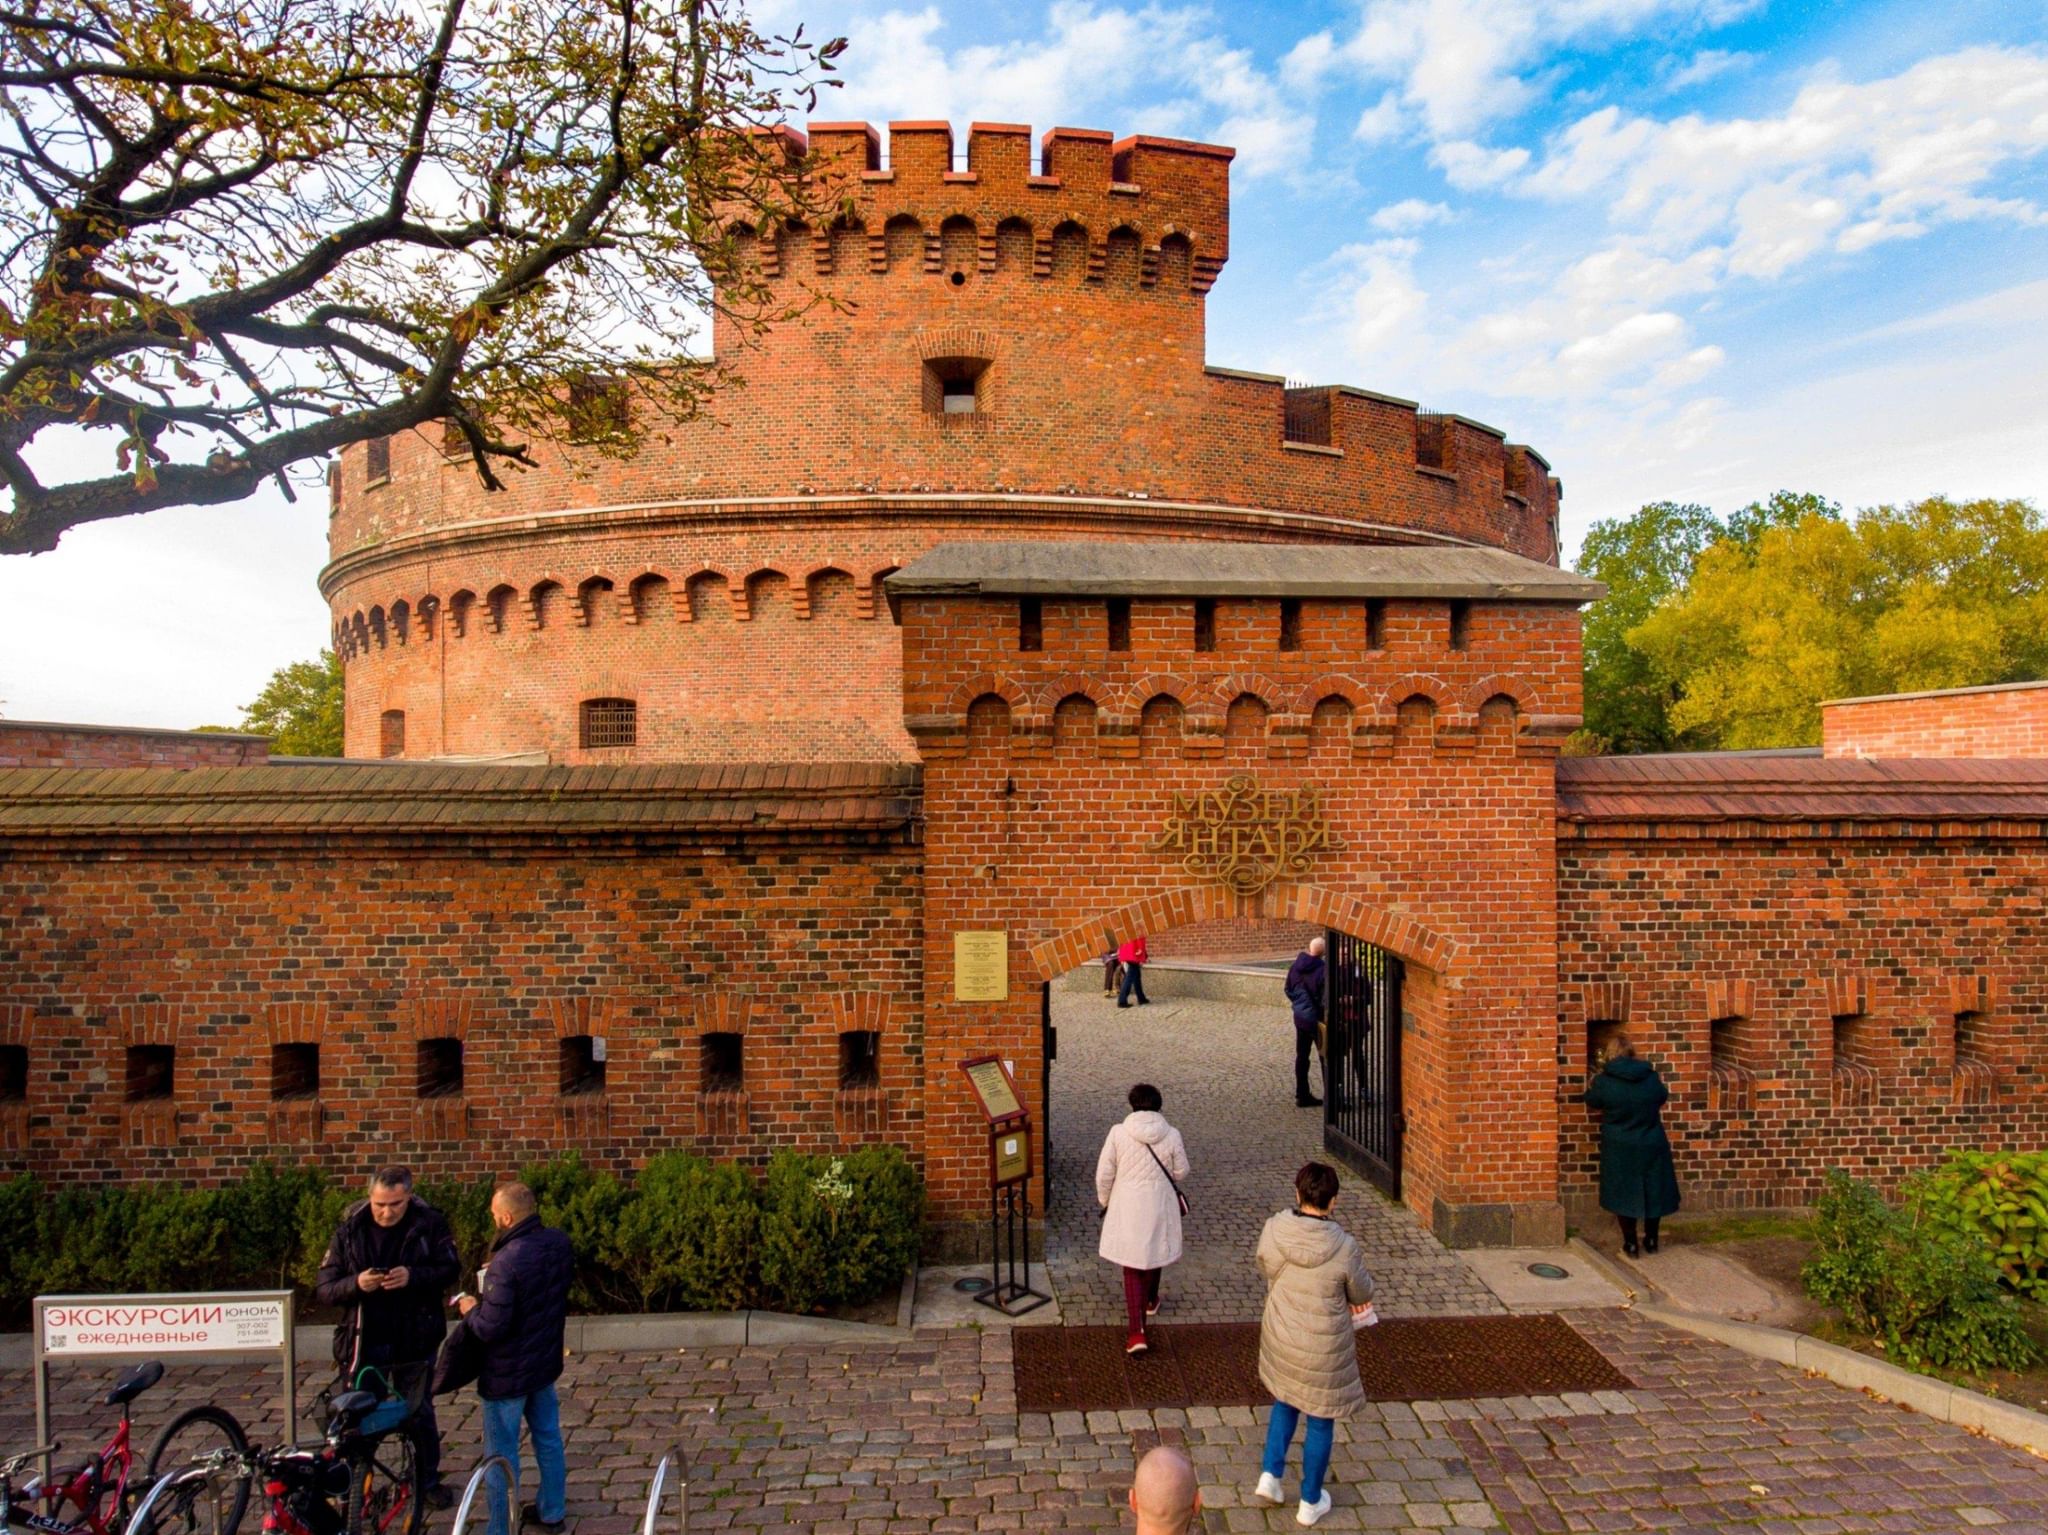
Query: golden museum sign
{"x":1244,"y":836}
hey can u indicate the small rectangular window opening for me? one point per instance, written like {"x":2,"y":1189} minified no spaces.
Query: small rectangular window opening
{"x":582,"y":1061}
{"x":597,"y":409}
{"x":294,"y":1071}
{"x":13,"y":1073}
{"x":439,"y":1072}
{"x":860,"y":1059}
{"x":721,"y":1062}
{"x":1030,"y":624}
{"x":377,"y":460}
{"x":151,"y":1074}
{"x":609,"y":722}
{"x":1205,"y":623}
{"x":1290,"y":623}
{"x":1119,"y":624}
{"x":1376,"y":623}
{"x":391,"y":733}
{"x":1461,"y":624}
{"x":959,"y":397}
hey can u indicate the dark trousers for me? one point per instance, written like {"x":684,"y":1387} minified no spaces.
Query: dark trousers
{"x":1134,"y":980}
{"x":1628,"y":1228}
{"x":1141,"y":1289}
{"x":1304,"y":1047}
{"x":415,"y":1382}
{"x":1109,"y":976}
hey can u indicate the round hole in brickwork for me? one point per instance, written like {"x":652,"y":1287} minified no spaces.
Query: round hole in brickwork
{"x":1549,"y":1271}
{"x":959,"y":279}
{"x":970,"y":1286}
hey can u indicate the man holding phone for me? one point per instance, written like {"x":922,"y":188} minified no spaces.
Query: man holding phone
{"x":390,"y":1262}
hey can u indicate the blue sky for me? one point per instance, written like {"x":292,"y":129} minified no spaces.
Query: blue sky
{"x":1688,"y":249}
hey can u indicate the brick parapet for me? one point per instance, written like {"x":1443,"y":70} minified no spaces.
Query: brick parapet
{"x":2010,"y":720}
{"x":40,"y":744}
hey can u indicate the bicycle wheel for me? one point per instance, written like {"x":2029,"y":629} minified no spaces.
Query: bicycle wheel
{"x":204,"y":1506}
{"x":385,"y":1495}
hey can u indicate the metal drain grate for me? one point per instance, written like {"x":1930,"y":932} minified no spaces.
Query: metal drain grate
{"x":1404,"y":1359}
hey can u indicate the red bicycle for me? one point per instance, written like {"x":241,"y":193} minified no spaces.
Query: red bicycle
{"x":100,"y":1490}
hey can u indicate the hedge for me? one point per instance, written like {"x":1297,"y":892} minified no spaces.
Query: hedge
{"x":684,"y":1234}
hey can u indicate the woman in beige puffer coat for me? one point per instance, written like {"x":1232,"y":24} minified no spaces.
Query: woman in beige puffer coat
{"x":1315,"y":1282}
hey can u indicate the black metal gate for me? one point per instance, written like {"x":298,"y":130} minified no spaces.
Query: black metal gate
{"x":1048,"y":1052}
{"x":1362,"y":1119}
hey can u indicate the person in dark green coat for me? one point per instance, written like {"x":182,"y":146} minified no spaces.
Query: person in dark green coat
{"x":1637,"y":1180}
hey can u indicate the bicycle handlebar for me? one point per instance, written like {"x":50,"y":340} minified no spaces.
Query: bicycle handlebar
{"x":9,"y":1467}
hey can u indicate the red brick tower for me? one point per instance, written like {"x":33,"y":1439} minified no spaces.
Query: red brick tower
{"x":1016,"y":351}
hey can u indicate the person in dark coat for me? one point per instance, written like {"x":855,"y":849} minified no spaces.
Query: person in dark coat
{"x":1305,"y":995}
{"x":387,"y":1270}
{"x":516,"y":1327}
{"x":1637,"y":1179}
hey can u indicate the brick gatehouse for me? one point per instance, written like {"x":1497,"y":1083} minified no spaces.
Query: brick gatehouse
{"x":673,"y":779}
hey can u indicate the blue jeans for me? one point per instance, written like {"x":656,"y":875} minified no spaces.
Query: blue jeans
{"x":1134,"y":980}
{"x":1315,"y":1447}
{"x":542,"y":1414}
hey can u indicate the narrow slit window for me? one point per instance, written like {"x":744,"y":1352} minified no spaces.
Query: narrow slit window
{"x":1376,"y":623}
{"x":581,"y":1058}
{"x":1119,"y":625}
{"x":377,"y":460}
{"x":1461,"y":624}
{"x":1290,"y":623}
{"x":439,"y":1068}
{"x":1205,"y":623}
{"x":609,"y":722}
{"x":391,"y":733}
{"x":860,"y":1059}
{"x":294,"y":1072}
{"x":1030,"y":624}
{"x":13,"y":1073}
{"x":151,"y":1073}
{"x":722,"y":1063}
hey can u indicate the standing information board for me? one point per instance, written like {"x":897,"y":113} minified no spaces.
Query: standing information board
{"x":200,"y":1328}
{"x":1009,"y":1185}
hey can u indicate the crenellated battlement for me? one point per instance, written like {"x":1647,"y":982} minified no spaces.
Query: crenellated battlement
{"x":1160,"y":206}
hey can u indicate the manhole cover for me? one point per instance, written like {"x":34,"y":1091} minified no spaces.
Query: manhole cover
{"x":1549,"y":1271}
{"x":972,"y":1286}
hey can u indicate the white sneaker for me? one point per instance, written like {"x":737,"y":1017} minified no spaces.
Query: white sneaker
{"x":1269,"y":1488}
{"x":1309,"y":1513}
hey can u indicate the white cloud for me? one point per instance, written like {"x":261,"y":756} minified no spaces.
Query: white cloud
{"x":1470,"y":167}
{"x":1382,"y":121}
{"x":1461,"y":64}
{"x":1409,"y":215}
{"x":1707,"y":64}
{"x":1156,"y":69}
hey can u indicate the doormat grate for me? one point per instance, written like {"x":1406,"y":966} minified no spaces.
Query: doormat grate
{"x":1404,"y":1359}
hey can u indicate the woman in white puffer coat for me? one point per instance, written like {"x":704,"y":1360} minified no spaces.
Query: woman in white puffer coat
{"x":1137,"y":1183}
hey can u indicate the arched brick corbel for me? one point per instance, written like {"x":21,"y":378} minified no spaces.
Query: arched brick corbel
{"x":1287,"y":735}
{"x":299,"y":1121}
{"x":1606,"y":1001}
{"x":1201,"y":731}
{"x":1498,"y":685}
{"x":722,"y":1113}
{"x":152,"y":1123}
{"x":444,"y":1016}
{"x":860,"y":1111}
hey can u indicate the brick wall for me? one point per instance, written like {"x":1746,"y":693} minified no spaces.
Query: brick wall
{"x":1234,"y":938}
{"x":2005,"y":721}
{"x":1046,"y":773}
{"x":236,"y":953}
{"x":33,"y":743}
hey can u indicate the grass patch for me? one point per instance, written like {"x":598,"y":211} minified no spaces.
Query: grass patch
{"x":1742,"y":1226}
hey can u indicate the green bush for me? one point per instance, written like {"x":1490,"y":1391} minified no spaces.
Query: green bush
{"x":685,"y":1239}
{"x":585,"y":1205}
{"x":1997,"y":1200}
{"x":467,"y":1209}
{"x":1929,"y":1294}
{"x":837,"y":1229}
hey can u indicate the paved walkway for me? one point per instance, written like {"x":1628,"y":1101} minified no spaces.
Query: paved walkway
{"x":1227,"y":1074}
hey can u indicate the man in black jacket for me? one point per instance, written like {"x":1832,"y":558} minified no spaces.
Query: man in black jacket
{"x":1305,"y":995}
{"x":517,"y":1327}
{"x":390,"y":1263}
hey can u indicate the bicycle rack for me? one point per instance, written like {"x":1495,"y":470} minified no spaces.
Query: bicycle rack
{"x":672,"y":1462}
{"x":475,"y":1485}
{"x":139,"y":1520}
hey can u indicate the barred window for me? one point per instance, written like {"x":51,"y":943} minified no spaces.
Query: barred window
{"x":610,"y":722}
{"x":377,"y":460}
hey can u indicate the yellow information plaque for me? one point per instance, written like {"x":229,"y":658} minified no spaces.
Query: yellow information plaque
{"x":991,"y":1085}
{"x":981,"y":967}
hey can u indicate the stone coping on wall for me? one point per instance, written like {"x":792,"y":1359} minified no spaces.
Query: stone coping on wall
{"x":1201,"y":569}
{"x":734,"y":798}
{"x":1896,"y":698}
{"x":1598,"y":796}
{"x":72,"y":727}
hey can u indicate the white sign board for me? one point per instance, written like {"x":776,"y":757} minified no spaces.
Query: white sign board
{"x":149,"y":1324}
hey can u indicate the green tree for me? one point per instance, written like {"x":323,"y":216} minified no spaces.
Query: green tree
{"x":240,"y":235}
{"x":1783,"y":509}
{"x":1644,"y":559}
{"x":300,"y":709}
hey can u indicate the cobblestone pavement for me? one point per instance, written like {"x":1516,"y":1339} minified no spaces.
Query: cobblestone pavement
{"x":1227,"y":1073}
{"x":923,"y":1438}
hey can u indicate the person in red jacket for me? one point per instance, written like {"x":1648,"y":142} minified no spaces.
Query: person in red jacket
{"x":1132,"y":956}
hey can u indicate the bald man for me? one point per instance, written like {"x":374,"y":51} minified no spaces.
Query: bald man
{"x":1164,"y":1494}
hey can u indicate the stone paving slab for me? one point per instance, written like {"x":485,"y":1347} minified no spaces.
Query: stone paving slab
{"x":1226,"y":1071}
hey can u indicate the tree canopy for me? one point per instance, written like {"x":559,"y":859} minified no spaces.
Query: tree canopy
{"x":239,"y":235}
{"x":300,"y":709}
{"x":1732,"y":637}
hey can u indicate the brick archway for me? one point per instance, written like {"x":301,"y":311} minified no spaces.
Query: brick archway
{"x":1292,"y":902}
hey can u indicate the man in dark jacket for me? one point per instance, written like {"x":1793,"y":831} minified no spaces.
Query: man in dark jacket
{"x":517,"y":1327}
{"x":1305,"y":997}
{"x":387,"y":1270}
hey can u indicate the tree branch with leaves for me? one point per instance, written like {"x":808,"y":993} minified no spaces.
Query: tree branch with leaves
{"x":236,"y":238}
